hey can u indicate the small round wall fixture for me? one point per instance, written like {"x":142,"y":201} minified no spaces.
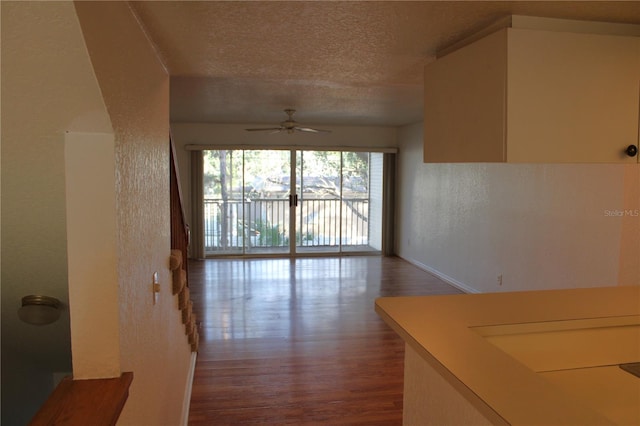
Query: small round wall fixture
{"x":39,"y":310}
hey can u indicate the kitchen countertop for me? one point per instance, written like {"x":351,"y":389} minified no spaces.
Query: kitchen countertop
{"x":453,"y":334}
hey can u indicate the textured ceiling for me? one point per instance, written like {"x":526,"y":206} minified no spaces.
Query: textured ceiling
{"x":350,"y":63}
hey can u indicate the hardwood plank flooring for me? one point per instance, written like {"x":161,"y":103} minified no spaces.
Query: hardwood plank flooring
{"x":297,"y":341}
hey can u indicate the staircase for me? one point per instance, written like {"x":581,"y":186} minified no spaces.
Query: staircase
{"x":179,"y":255}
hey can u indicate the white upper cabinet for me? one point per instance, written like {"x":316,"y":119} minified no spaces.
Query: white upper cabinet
{"x":534,"y":96}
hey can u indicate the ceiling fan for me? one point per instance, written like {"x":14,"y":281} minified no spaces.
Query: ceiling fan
{"x":289,"y":125}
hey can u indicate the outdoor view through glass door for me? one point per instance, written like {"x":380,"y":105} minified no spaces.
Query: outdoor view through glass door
{"x":250,"y":206}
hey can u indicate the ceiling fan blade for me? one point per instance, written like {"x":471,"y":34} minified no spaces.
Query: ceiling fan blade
{"x":264,"y":129}
{"x":289,"y":125}
{"x":309,"y":129}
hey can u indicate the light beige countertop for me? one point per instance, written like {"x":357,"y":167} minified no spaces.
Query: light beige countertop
{"x":537,"y":357}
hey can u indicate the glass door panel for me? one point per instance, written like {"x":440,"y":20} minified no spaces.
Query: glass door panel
{"x":318,"y":224}
{"x":222,"y":170}
{"x":267,"y":197}
{"x":246,"y":201}
{"x":362,"y":201}
{"x":340,"y":208}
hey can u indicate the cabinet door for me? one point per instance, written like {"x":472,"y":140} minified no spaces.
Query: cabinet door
{"x":464,"y":101}
{"x":571,"y":97}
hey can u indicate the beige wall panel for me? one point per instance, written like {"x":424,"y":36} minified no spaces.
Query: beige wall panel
{"x":92,"y":259}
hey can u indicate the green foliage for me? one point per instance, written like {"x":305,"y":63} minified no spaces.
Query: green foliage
{"x":356,"y":164}
{"x":270,"y":235}
{"x":245,"y":171}
{"x":308,"y":236}
{"x":240,"y":169}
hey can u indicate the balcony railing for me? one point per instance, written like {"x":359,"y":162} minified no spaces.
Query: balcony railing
{"x":264,"y":223}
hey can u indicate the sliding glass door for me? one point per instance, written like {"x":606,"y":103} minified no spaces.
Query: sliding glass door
{"x":283,"y":202}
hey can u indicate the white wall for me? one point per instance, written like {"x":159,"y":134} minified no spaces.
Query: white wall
{"x":135,"y":87}
{"x":92,"y":254}
{"x":234,"y":135}
{"x":630,"y":244}
{"x":539,"y":226}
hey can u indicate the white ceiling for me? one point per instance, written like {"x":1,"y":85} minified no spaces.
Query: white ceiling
{"x":349,"y":63}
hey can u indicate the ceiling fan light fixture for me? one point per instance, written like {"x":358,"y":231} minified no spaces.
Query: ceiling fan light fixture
{"x":289,"y":125}
{"x":39,"y":310}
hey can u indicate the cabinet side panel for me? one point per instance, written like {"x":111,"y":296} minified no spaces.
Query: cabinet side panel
{"x":429,"y":399}
{"x":571,"y":97}
{"x":465,"y":103}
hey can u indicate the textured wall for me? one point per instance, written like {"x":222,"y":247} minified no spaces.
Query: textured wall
{"x":630,"y":244}
{"x":135,"y":87}
{"x":540,"y":226}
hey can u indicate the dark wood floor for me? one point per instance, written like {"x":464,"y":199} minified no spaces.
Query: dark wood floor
{"x":298,"y":342}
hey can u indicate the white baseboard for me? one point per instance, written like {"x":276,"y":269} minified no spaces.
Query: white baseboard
{"x":459,"y":285}
{"x":186,"y":403}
